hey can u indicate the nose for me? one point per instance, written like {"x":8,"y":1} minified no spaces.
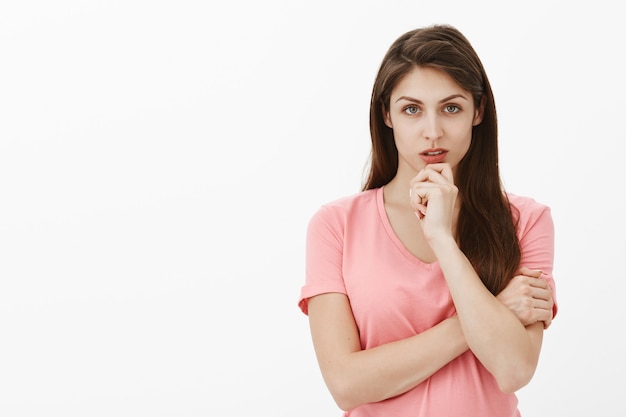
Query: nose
{"x":432,"y":127}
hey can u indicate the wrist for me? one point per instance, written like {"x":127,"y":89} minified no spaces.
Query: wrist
{"x":455,"y":324}
{"x":441,"y":243}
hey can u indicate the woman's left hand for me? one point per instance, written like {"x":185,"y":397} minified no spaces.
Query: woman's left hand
{"x":433,"y":198}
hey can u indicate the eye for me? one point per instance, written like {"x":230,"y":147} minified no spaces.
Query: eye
{"x":411,"y":109}
{"x":452,"y":108}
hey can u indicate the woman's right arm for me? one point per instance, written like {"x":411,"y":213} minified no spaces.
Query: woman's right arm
{"x":355,"y":376}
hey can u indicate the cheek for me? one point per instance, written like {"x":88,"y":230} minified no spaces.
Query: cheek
{"x":462,"y":142}
{"x":466,"y":144}
{"x":403,"y":128}
{"x":403,"y":138}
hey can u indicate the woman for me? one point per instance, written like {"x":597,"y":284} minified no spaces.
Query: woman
{"x":428,"y":292}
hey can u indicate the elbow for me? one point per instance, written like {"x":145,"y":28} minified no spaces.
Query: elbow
{"x":511,"y":385}
{"x":515,"y":378}
{"x":344,"y":404}
{"x":346,"y":393}
{"x":344,"y":396}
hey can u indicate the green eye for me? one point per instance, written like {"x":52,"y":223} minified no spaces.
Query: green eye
{"x":411,"y":110}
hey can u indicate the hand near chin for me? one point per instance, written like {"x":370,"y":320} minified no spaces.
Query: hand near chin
{"x":433,"y":198}
{"x":529,"y":297}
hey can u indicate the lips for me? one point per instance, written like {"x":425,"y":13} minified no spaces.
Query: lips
{"x":434,"y":156}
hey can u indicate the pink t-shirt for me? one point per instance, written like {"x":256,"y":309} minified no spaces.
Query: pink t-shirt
{"x":352,"y":249}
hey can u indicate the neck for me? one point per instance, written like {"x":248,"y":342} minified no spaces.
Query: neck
{"x":397,"y":191}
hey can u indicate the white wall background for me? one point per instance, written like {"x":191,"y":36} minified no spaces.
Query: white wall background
{"x":159,"y":161}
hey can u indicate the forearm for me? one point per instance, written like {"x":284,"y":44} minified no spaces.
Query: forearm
{"x":389,"y":370}
{"x":493,"y":332}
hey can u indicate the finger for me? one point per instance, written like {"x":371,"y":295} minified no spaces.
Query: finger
{"x":545,"y":318}
{"x":547,"y":323}
{"x":540,"y":304}
{"x":538,"y":283}
{"x":420,"y":211}
{"x":541,"y":314}
{"x":444,"y":169}
{"x":524,"y":270}
{"x":430,"y":175}
{"x":419,"y":193}
{"x":418,"y":203}
{"x":526,"y":282}
{"x":543,"y":295}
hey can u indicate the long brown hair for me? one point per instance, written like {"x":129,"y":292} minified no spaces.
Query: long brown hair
{"x":486,"y":227}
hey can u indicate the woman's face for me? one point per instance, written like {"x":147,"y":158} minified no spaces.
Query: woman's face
{"x":432,"y":119}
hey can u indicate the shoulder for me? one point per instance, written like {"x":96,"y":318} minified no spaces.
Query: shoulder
{"x":343,"y":206}
{"x":529,"y":211}
{"x":336,"y":213}
{"x":526,"y":205}
{"x":525,"y":202}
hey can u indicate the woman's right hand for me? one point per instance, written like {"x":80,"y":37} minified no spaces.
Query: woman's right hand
{"x":529,"y":297}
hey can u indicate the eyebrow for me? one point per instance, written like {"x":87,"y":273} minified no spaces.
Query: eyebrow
{"x":453,"y":96}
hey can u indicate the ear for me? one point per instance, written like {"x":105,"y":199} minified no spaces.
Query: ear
{"x":480,"y":111}
{"x":387,"y":119}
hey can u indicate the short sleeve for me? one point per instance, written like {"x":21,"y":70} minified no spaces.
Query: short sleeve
{"x":537,"y":243}
{"x":324,"y":256}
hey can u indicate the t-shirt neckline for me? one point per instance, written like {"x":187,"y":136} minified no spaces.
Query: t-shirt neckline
{"x":380,"y":202}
